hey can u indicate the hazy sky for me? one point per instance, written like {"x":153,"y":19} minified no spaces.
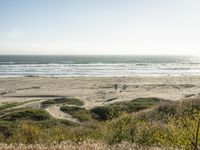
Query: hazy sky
{"x":100,"y":27}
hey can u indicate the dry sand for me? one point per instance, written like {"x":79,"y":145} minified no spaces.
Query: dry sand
{"x":98,"y":90}
{"x":78,"y":146}
{"x":94,"y":91}
{"x":57,"y":113}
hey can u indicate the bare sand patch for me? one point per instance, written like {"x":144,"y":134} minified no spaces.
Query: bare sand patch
{"x":95,"y":91}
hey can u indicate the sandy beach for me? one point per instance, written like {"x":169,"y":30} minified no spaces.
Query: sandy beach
{"x":95,"y":91}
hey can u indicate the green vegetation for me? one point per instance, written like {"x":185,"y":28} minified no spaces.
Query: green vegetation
{"x":111,"y":111}
{"x":8,"y":107}
{"x":62,"y":100}
{"x":5,"y":106}
{"x":28,"y":114}
{"x":166,"y":124}
{"x":81,"y":114}
{"x":116,"y":109}
{"x":104,"y":113}
{"x":6,"y":128}
{"x":173,"y":124}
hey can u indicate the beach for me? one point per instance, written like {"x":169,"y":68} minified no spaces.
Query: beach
{"x":99,"y":75}
{"x":96,"y":91}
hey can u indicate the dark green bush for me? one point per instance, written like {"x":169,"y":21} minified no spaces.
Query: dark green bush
{"x":62,"y":100}
{"x":7,"y":128}
{"x":167,"y":109}
{"x":28,"y":114}
{"x":70,"y":108}
{"x":105,"y":112}
{"x":81,"y":114}
{"x":116,"y":109}
{"x":8,"y":105}
{"x":179,"y":129}
{"x":54,"y":122}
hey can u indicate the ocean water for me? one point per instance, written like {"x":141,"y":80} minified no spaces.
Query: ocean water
{"x":14,"y":66}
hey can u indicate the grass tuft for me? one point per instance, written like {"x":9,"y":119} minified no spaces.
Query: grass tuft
{"x":81,"y":114}
{"x":62,"y":100}
{"x":27,"y":114}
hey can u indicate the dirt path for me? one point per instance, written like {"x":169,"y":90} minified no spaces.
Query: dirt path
{"x":31,"y":104}
{"x":57,"y":113}
{"x":52,"y":110}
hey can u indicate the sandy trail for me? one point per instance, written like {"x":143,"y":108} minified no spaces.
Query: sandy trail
{"x":52,"y":110}
{"x":31,"y":104}
{"x":57,"y":113}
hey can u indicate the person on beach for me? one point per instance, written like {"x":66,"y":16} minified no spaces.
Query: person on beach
{"x":124,"y":87}
{"x":115,"y":87}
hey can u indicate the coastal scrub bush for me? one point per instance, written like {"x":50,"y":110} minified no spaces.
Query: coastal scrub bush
{"x":145,"y":103}
{"x":185,"y":130}
{"x":180,"y":132}
{"x":104,"y":113}
{"x":118,"y":130}
{"x":81,"y":114}
{"x":27,"y":114}
{"x":180,"y":107}
{"x":6,"y":128}
{"x":117,"y":109}
{"x":26,"y":133}
{"x":54,"y":122}
{"x":62,"y":100}
{"x":8,"y":105}
{"x":30,"y":132}
{"x":167,"y":109}
{"x":179,"y":128}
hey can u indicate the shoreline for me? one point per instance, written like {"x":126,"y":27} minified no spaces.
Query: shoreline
{"x":97,"y":76}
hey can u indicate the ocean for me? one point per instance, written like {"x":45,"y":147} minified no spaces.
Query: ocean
{"x":74,"y":65}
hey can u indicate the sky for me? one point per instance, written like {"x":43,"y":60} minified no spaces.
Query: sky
{"x":34,"y":27}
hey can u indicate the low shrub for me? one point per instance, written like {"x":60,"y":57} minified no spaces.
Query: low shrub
{"x":116,"y":109}
{"x":6,"y":128}
{"x":27,"y":114}
{"x":8,"y":105}
{"x":62,"y":100}
{"x":81,"y":114}
{"x":180,"y":128}
{"x":104,"y":113}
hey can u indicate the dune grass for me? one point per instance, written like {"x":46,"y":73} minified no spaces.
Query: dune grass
{"x":5,"y":106}
{"x":116,"y":109}
{"x":81,"y":114}
{"x":62,"y":100}
{"x":169,"y":124}
{"x":173,"y":124}
{"x":27,"y":114}
{"x":103,"y":113}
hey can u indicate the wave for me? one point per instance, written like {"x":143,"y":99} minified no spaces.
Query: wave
{"x":7,"y":63}
{"x":94,"y":66}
